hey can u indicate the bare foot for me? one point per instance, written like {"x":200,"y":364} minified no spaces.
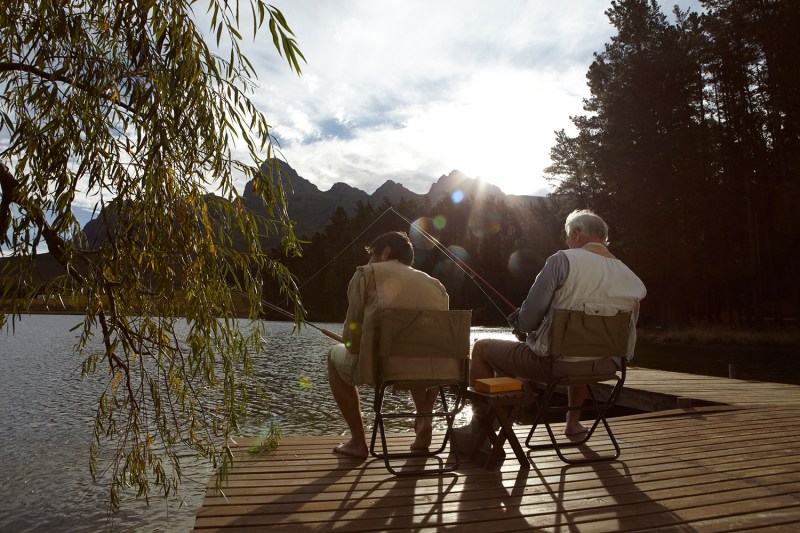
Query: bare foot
{"x":352,"y":449}
{"x":574,"y":430}
{"x":424,"y":432}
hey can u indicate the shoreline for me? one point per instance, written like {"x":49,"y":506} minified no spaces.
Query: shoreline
{"x":787,"y":337}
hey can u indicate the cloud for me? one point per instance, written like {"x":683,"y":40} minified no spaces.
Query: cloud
{"x":410,"y":90}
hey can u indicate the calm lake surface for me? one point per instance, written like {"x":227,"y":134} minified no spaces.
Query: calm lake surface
{"x":47,"y":418}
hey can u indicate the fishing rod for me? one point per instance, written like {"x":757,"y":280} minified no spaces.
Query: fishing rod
{"x":479,"y":281}
{"x":465,"y":268}
{"x":284,"y":312}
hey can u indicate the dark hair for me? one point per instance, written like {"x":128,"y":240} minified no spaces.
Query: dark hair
{"x":399,"y":244}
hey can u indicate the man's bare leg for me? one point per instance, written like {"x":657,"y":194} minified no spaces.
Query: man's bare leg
{"x":347,"y":399}
{"x":424,"y":399}
{"x":479,"y":367}
{"x":576,"y":395}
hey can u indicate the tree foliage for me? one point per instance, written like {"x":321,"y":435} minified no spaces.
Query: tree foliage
{"x":689,"y":147}
{"x":125,"y":104}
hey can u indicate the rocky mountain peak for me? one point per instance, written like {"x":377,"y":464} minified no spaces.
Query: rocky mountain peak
{"x":476,"y":188}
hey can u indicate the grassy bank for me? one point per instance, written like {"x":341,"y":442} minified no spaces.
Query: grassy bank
{"x":768,"y":354}
{"x":788,"y":337}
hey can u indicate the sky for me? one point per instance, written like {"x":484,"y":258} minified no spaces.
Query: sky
{"x":411,"y":90}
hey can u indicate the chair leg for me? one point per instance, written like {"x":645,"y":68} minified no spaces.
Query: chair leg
{"x":377,"y":407}
{"x":542,"y":407}
{"x":378,"y":427}
{"x":600,"y":409}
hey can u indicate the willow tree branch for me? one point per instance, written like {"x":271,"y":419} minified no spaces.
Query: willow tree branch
{"x":8,"y":66}
{"x":55,"y":243}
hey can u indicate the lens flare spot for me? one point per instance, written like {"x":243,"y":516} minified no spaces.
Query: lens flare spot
{"x":417,"y":232}
{"x":439,"y":222}
{"x":304,"y":383}
{"x":457,"y":196}
{"x":484,"y":222}
{"x":449,"y":274}
{"x":459,"y":252}
{"x":522,"y":264}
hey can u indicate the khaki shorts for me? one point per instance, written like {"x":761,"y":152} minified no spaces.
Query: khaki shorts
{"x":344,"y":362}
{"x":516,"y":359}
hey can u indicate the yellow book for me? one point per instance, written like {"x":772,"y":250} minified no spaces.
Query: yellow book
{"x":498,"y":385}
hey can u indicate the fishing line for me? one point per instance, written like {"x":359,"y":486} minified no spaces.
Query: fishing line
{"x":460,"y":263}
{"x":289,"y":314}
{"x":286,"y":313}
{"x":326,"y":265}
{"x":465,"y":268}
{"x":324,"y":331}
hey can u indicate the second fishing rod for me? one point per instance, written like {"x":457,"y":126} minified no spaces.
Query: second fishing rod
{"x":481,"y":283}
{"x":476,"y":278}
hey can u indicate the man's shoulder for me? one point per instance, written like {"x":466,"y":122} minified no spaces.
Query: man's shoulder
{"x":558,"y":260}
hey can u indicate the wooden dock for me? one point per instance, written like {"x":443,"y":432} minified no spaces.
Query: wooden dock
{"x":657,"y":390}
{"x":730,"y":467}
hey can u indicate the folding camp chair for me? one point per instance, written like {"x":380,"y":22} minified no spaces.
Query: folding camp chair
{"x":583,"y":336}
{"x":421,"y":349}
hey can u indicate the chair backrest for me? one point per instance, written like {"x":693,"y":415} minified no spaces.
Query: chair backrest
{"x":423,"y":346}
{"x":580,"y":334}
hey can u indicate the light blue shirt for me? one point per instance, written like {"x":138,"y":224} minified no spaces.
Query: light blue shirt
{"x":533,"y":310}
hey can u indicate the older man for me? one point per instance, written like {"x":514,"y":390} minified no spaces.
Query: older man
{"x":586,"y":272}
{"x":386,"y":281}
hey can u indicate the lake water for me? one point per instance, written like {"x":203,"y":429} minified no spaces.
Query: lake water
{"x":47,"y":417}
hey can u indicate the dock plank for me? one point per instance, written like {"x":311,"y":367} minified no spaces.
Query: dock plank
{"x":709,"y":389}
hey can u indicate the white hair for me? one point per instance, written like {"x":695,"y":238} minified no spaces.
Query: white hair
{"x":587,"y":222}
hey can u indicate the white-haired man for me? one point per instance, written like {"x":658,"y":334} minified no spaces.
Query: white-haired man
{"x":587,"y":271}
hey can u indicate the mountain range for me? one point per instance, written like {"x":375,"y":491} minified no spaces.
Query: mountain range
{"x":311,"y":209}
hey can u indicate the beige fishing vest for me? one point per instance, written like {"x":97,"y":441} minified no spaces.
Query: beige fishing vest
{"x":377,"y":286}
{"x":599,"y":283}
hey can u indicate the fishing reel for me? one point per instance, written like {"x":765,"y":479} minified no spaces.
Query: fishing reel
{"x":512,"y":321}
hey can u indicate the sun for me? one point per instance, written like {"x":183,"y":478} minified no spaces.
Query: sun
{"x":499,"y":126}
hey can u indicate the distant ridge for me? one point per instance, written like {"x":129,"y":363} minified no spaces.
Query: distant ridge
{"x":311,"y":209}
{"x":447,"y":184}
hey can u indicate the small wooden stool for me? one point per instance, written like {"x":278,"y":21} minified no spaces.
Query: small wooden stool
{"x":503,"y":407}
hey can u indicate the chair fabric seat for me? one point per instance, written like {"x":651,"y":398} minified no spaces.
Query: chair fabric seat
{"x":421,"y":348}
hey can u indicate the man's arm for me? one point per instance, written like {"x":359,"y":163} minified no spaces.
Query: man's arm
{"x":537,"y":303}
{"x":351,"y":331}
